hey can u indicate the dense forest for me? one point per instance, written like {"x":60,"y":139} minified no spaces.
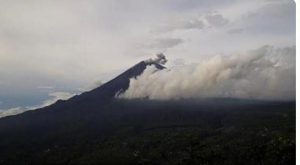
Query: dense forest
{"x":211,"y":131}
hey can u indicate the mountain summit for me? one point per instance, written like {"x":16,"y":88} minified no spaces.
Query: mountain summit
{"x":120,"y":83}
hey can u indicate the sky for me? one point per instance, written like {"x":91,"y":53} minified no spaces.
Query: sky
{"x":55,"y":49}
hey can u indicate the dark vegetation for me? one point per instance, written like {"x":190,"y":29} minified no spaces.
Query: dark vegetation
{"x":215,"y":131}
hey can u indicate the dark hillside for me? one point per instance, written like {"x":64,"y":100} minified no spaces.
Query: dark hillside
{"x":152,"y":132}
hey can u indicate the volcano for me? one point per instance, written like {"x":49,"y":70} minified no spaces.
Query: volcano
{"x":95,"y":127}
{"x":115,"y":86}
{"x":107,"y":91}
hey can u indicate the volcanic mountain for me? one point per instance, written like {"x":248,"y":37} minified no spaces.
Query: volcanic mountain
{"x":106,"y":92}
{"x":97,"y":128}
{"x":113,"y":87}
{"x":118,"y":84}
{"x":72,"y":108}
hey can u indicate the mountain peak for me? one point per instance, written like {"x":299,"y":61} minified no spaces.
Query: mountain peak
{"x":160,"y":59}
{"x":117,"y":85}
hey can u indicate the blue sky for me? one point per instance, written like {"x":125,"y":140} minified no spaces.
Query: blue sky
{"x":53,"y":49}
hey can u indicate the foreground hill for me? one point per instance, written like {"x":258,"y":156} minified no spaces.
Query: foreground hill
{"x":150,"y":132}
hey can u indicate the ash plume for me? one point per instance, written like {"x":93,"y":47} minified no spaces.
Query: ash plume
{"x":160,"y":59}
{"x":267,"y":73}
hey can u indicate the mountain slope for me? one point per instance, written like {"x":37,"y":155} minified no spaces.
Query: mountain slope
{"x":50,"y":118}
{"x":96,"y":128}
{"x":102,"y":94}
{"x":114,"y":86}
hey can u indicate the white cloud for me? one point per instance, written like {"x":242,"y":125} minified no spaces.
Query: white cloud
{"x":164,"y":43}
{"x":200,"y":22}
{"x":267,"y":73}
{"x":11,"y":111}
{"x":54,"y":96}
{"x":216,"y":19}
{"x":235,"y":31}
{"x":45,"y":87}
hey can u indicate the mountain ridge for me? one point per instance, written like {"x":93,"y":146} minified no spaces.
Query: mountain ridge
{"x":97,"y":128}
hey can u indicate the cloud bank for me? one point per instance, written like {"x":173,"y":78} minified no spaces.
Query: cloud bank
{"x":54,"y":96}
{"x":267,"y":73}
